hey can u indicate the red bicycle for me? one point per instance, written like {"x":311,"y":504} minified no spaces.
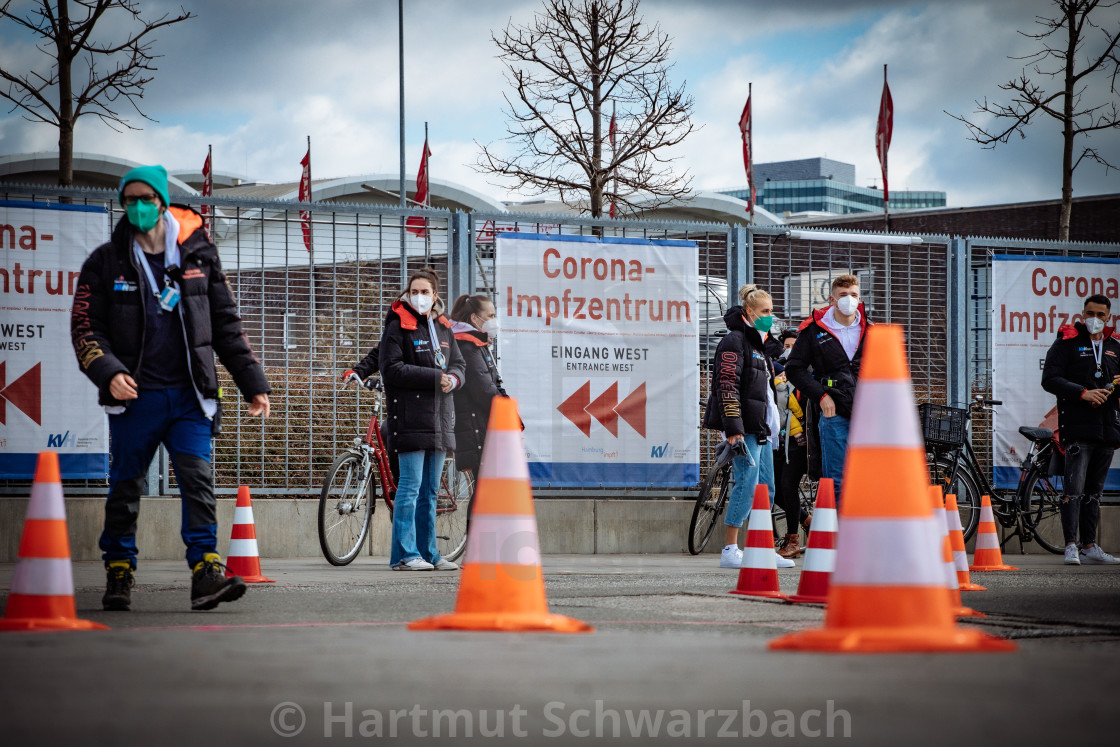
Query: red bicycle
{"x":361,"y":473}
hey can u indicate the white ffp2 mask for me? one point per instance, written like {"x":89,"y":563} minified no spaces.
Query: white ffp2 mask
{"x":847,"y":305}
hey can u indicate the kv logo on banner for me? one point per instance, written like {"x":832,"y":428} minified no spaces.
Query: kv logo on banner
{"x":599,"y":344}
{"x":45,"y":401}
{"x":1032,"y":298}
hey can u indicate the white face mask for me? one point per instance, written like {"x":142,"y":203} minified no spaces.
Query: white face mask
{"x":847,"y":305}
{"x":492,"y":327}
{"x":1094,"y":325}
{"x":423,"y":304}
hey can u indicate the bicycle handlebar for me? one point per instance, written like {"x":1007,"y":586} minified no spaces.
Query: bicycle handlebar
{"x":370,"y":383}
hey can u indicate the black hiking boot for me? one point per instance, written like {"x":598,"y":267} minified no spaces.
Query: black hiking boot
{"x":118,"y":587}
{"x":209,"y":585}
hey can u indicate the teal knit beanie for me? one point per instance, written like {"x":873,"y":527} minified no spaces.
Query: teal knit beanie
{"x":154,"y":176}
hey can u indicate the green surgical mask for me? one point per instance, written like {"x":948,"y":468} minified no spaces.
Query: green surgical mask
{"x":764,"y":323}
{"x":143,"y":215}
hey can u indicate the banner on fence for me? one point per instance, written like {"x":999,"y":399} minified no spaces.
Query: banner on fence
{"x":599,"y":345}
{"x":45,"y":400}
{"x":1032,"y":296}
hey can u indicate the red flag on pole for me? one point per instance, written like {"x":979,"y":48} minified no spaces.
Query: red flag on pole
{"x":207,"y":191}
{"x":417,"y":224}
{"x":305,"y":196}
{"x":610,"y":133}
{"x":745,"y":128}
{"x":883,"y":130}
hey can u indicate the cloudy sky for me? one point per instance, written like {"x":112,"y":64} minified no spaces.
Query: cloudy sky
{"x":253,"y":78}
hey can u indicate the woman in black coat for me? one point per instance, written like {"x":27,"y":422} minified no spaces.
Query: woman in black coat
{"x":475,"y":324}
{"x":420,"y":366}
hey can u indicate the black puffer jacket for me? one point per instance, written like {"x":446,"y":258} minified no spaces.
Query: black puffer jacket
{"x":421,"y":416}
{"x":107,"y":322}
{"x":1068,"y":371}
{"x":818,"y":365}
{"x":741,"y":373}
{"x":474,"y":398}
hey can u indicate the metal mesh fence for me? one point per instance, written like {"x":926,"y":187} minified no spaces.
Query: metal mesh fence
{"x":311,"y":313}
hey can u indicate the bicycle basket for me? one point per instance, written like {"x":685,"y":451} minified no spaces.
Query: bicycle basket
{"x":942,"y":425}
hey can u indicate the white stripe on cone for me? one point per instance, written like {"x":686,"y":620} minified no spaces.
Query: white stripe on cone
{"x":888,"y":552}
{"x":954,"y":519}
{"x":43,"y":577}
{"x":760,"y":519}
{"x":899,"y":430}
{"x":242,"y":548}
{"x":960,"y":560}
{"x":824,"y":521}
{"x":504,"y":456}
{"x":986,"y":541}
{"x":243,"y":515}
{"x":760,"y":557}
{"x":46,"y":501}
{"x":819,"y":559}
{"x":986,"y":514}
{"x":507,"y":539}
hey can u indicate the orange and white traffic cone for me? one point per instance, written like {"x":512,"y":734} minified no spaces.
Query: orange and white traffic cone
{"x":758,"y":575}
{"x":942,"y":529}
{"x":243,"y":558}
{"x":820,"y":549}
{"x":42,"y":594}
{"x":501,"y":586}
{"x":887,"y":593}
{"x":956,"y":539}
{"x":987,"y":555}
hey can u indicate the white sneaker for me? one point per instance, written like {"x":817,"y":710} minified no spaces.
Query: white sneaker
{"x":1096,"y":556}
{"x":785,"y":562}
{"x":731,"y":557}
{"x":1071,"y":555}
{"x":416,"y":564}
{"x":446,"y":565}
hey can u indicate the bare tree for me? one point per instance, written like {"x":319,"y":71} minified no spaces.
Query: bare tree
{"x":112,"y":72}
{"x":1066,"y":41}
{"x":576,"y":62}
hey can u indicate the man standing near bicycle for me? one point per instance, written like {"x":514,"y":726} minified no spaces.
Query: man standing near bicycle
{"x":151,"y":309}
{"x":824,"y":365}
{"x":1082,"y":370}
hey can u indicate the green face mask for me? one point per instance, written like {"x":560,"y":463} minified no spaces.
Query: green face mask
{"x":143,"y":215}
{"x":764,"y":323}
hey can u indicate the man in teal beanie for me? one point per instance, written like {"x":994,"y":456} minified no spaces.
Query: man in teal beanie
{"x":151,"y":309}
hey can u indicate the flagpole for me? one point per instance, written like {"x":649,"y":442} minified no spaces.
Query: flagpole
{"x":614,"y":134}
{"x":886,"y":193}
{"x":310,"y":256}
{"x":400,"y":191}
{"x":750,"y":164}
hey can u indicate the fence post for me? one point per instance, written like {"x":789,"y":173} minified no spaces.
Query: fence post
{"x":459,"y":261}
{"x":957,"y":323}
{"x":740,"y":261}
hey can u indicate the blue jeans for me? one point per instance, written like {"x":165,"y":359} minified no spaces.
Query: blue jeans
{"x":834,"y":448}
{"x":747,"y":477}
{"x":414,"y":507}
{"x":175,"y":418}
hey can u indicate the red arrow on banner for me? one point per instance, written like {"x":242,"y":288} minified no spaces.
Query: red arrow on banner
{"x":25,"y":393}
{"x":603,"y":408}
{"x":574,"y":408}
{"x":633,"y":409}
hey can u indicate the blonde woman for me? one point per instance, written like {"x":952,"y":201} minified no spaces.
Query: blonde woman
{"x":742,"y":406}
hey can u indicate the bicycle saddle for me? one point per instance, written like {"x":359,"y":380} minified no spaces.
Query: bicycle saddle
{"x":1036,"y":434}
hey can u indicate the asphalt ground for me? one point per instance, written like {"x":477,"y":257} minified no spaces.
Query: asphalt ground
{"x":323,"y":655}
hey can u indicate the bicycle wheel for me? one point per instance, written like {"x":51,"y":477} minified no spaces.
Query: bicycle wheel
{"x":1042,"y":514}
{"x":963,"y":487}
{"x":710,"y":504}
{"x":344,"y":513}
{"x":453,"y":510}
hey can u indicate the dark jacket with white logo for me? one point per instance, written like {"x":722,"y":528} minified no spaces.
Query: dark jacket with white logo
{"x":741,"y":373}
{"x":421,"y":415}
{"x":107,"y":321}
{"x":818,"y":365}
{"x":473,"y":400}
{"x":1069,"y":370}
